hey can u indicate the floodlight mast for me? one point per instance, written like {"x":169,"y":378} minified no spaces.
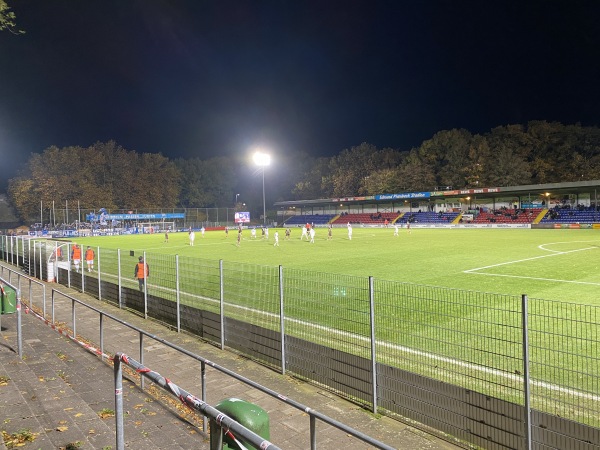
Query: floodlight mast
{"x":262,"y":160}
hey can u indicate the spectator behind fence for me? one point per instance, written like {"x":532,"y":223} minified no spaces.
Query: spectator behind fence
{"x":142,"y":271}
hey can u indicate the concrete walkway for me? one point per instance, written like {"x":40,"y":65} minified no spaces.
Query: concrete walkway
{"x":62,"y":392}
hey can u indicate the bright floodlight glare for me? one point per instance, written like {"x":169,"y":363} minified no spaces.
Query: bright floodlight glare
{"x":261,"y":159}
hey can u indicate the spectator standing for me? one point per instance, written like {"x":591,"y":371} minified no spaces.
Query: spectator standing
{"x":142,"y":271}
{"x":76,"y":256}
{"x":89,"y":258}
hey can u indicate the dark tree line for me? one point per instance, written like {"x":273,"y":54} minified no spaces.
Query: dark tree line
{"x":106,"y":175}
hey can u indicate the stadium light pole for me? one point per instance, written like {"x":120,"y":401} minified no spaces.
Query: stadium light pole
{"x":263,"y":160}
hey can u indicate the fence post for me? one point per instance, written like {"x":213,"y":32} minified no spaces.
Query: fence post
{"x":313,"y":432}
{"x":282,"y":320}
{"x":41,"y":277}
{"x":19,"y":327}
{"x":30,"y":298}
{"x":203,"y":387}
{"x":373,"y":344}
{"x":56,"y":262}
{"x":33,"y":266}
{"x":222,"y":304}
{"x":145,"y":289}
{"x":142,"y":355}
{"x":177,"y":293}
{"x":120,"y":438}
{"x":119,"y":276}
{"x":73,"y":318}
{"x":29,"y":257}
{"x":69,"y":263}
{"x":102,"y":335}
{"x":43,"y":296}
{"x":52,"y":307}
{"x":526,"y":390}
{"x":99,"y":280}
{"x":82,"y":265}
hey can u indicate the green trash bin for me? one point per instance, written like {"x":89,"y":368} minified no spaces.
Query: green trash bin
{"x":247,"y":414}
{"x":8,"y":302}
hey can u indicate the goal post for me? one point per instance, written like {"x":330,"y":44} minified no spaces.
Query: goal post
{"x":155,"y":227}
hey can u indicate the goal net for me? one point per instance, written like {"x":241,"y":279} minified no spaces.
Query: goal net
{"x":155,"y":227}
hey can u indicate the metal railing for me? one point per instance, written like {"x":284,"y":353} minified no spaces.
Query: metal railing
{"x":313,"y":414}
{"x":222,"y":421}
{"x":472,"y":340}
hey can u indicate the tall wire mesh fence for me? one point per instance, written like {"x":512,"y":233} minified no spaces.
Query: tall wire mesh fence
{"x":469,"y":339}
{"x":252,"y":294}
{"x":564,"y":342}
{"x":328,"y":309}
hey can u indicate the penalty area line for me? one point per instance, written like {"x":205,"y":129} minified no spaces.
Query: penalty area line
{"x":523,"y":260}
{"x":535,"y":278}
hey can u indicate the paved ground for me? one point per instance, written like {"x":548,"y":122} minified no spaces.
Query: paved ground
{"x":60,"y":391}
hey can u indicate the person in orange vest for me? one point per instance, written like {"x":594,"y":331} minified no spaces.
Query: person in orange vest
{"x":57,"y":254}
{"x":76,"y":256}
{"x":142,"y":271}
{"x":89,"y":258}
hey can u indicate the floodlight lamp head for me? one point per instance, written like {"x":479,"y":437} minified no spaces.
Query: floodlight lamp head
{"x":261,"y":159}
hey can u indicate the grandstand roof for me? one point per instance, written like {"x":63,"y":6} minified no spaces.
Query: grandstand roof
{"x":574,"y":187}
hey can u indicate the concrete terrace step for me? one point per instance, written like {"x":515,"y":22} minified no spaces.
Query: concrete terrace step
{"x":59,"y":389}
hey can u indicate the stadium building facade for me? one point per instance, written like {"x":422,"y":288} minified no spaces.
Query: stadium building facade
{"x":541,"y":205}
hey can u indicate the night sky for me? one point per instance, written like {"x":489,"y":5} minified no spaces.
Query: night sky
{"x":197,"y":78}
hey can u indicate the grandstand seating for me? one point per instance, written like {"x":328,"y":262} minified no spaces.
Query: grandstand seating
{"x":506,"y":215}
{"x":317,"y":219}
{"x":429,"y":217}
{"x":367,"y":218}
{"x":569,"y":215}
{"x":502,"y":216}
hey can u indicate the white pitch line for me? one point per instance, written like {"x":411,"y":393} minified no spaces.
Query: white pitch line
{"x":428,"y":355}
{"x":535,"y":278}
{"x":543,"y":246}
{"x":526,"y":259}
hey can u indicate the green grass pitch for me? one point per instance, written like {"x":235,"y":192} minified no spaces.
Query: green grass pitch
{"x":550,"y":264}
{"x":446,"y":326}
